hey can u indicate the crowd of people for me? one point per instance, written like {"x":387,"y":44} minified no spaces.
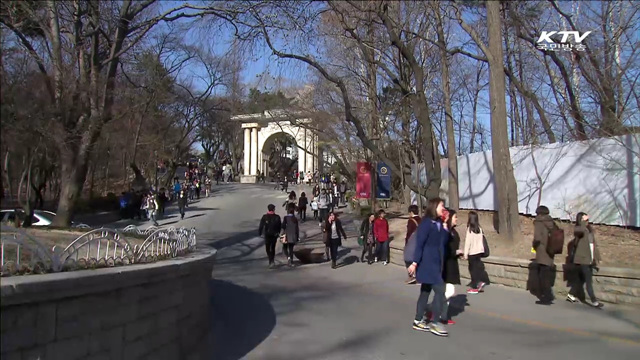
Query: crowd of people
{"x":432,"y":249}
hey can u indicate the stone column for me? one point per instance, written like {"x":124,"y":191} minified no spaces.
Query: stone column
{"x":247,"y":149}
{"x":306,"y":147}
{"x":254,"y":151}
{"x":302,"y":156}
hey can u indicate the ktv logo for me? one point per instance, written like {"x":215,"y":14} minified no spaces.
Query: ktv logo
{"x":545,"y":42}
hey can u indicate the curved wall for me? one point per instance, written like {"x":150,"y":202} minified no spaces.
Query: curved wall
{"x":150,"y":311}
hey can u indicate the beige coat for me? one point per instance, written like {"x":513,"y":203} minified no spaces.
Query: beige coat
{"x":473,"y":243}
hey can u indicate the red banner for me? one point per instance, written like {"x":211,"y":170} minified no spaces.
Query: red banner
{"x":363,"y":180}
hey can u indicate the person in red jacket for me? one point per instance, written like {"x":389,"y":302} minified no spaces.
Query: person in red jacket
{"x":381,"y":233}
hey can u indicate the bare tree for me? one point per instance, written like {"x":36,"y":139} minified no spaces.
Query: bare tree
{"x":452,"y":158}
{"x":505,"y":183}
{"x":77,"y":47}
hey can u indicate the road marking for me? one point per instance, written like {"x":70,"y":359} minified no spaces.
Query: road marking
{"x":555,"y":327}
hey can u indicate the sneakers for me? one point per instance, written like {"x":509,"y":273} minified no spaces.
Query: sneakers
{"x":572,"y":298}
{"x":472,"y":291}
{"x":420,"y":325}
{"x":448,"y":322}
{"x":437,"y":329}
{"x":595,"y":304}
{"x":290,"y":263}
{"x":410,"y":281}
{"x":375,"y":260}
{"x":481,"y":286}
{"x":385,"y":263}
{"x":272,"y":265}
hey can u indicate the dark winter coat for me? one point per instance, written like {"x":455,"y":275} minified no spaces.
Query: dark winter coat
{"x":182,"y":201}
{"x":583,"y":252}
{"x":270,"y":225}
{"x":365,"y":228}
{"x":328,"y":235}
{"x":431,"y":241}
{"x":451,"y":272}
{"x":542,"y":226}
{"x":291,"y":229}
{"x":302,"y":203}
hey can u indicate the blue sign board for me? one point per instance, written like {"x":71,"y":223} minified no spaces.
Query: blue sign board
{"x":383,"y":181}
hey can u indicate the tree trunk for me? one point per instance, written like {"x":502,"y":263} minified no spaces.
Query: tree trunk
{"x":476,"y":95}
{"x":505,"y":183}
{"x":452,"y":159}
{"x":73,"y":173}
{"x":6,"y":174}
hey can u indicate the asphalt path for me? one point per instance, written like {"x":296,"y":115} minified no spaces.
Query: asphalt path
{"x":361,"y":311}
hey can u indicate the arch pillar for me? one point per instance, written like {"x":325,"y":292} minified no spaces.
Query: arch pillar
{"x":250,"y":165}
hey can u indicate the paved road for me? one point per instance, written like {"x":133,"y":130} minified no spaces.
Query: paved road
{"x":364,"y":311}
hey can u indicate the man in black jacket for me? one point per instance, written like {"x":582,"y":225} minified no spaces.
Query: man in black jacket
{"x":270,"y":225}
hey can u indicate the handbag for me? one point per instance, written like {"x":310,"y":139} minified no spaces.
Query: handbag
{"x":361,"y":240}
{"x":283,"y":238}
{"x":485,"y":244}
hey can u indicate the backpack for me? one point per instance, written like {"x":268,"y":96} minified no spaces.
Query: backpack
{"x":555,"y":244}
{"x":273,"y":225}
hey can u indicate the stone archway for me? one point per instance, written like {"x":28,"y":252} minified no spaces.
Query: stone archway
{"x":279,"y":155}
{"x":259,"y":128}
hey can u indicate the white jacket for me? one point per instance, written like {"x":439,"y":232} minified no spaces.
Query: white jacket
{"x":473,"y":244}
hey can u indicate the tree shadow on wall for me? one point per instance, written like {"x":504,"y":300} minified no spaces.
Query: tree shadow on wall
{"x":241,"y":320}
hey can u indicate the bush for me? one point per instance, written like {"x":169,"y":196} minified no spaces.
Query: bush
{"x":365,"y":210}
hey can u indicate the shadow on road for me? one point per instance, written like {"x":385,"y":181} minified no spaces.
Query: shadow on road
{"x":241,"y":320}
{"x":349,"y":260}
{"x":457,"y":304}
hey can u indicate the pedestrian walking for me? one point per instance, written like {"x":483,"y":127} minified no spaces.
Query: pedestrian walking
{"x":412,"y":226}
{"x":302,"y":206}
{"x":314,"y":207}
{"x":336,"y":195}
{"x":291,"y":199}
{"x":176,"y":188}
{"x":323,"y":206}
{"x":290,"y":233}
{"x":207,"y":186}
{"x":474,"y":251}
{"x":333,"y":234}
{"x":585,"y":256}
{"x":343,"y":191}
{"x":182,"y":203}
{"x":316,"y":191}
{"x":381,"y":234}
{"x":543,"y":225}
{"x":451,"y":274}
{"x":270,"y":226}
{"x":428,"y":266}
{"x":152,"y":208}
{"x":368,"y":239}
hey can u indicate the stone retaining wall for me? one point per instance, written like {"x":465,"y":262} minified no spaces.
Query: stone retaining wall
{"x":613,"y":285}
{"x":151,"y":311}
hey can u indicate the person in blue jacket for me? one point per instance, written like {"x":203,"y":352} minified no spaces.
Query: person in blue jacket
{"x":428,"y":264}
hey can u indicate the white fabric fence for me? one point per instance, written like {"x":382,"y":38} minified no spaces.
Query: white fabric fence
{"x":600,"y":177}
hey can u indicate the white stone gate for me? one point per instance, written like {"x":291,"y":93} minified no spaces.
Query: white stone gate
{"x":261,"y":129}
